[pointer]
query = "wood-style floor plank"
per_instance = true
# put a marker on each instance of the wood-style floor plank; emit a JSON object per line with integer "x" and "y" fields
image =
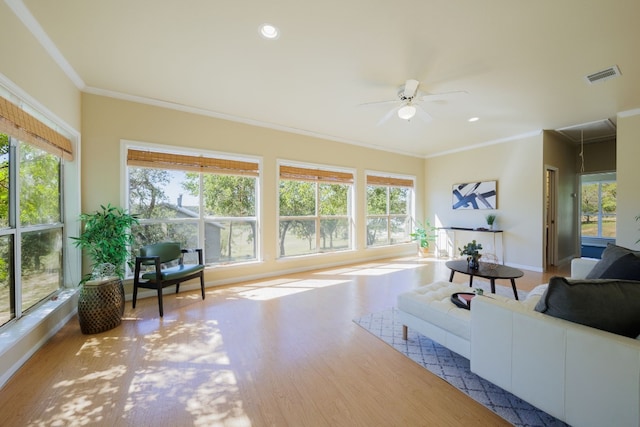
{"x": 275, "y": 352}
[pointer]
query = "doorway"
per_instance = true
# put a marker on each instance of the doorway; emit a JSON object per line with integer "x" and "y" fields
{"x": 551, "y": 217}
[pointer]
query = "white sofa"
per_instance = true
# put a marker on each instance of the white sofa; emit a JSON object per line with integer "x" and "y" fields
{"x": 581, "y": 375}
{"x": 429, "y": 311}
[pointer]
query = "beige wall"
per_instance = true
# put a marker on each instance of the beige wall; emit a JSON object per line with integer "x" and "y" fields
{"x": 628, "y": 176}
{"x": 27, "y": 65}
{"x": 600, "y": 156}
{"x": 518, "y": 167}
{"x": 562, "y": 156}
{"x": 107, "y": 121}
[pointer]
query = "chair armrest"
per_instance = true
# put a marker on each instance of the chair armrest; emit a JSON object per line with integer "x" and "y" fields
{"x": 193, "y": 250}
{"x": 143, "y": 259}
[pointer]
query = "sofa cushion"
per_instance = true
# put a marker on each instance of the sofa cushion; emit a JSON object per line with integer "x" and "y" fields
{"x": 625, "y": 268}
{"x": 609, "y": 305}
{"x": 432, "y": 303}
{"x": 534, "y": 296}
{"x": 610, "y": 255}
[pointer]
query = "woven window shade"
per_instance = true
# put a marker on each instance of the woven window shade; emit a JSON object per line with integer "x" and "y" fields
{"x": 317, "y": 175}
{"x": 390, "y": 181}
{"x": 19, "y": 124}
{"x": 152, "y": 159}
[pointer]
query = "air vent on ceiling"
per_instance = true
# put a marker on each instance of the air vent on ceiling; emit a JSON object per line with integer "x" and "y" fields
{"x": 604, "y": 75}
{"x": 600, "y": 130}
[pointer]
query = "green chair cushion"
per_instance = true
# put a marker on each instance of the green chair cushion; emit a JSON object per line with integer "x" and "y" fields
{"x": 176, "y": 272}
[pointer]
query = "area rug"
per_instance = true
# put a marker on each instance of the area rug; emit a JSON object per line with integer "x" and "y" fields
{"x": 454, "y": 369}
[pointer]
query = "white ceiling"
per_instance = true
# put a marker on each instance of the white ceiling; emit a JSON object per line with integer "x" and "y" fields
{"x": 522, "y": 62}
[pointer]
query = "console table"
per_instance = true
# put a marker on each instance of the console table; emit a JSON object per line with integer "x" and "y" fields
{"x": 451, "y": 238}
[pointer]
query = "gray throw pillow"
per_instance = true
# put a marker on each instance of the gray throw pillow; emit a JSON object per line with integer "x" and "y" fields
{"x": 610, "y": 255}
{"x": 609, "y": 305}
{"x": 625, "y": 268}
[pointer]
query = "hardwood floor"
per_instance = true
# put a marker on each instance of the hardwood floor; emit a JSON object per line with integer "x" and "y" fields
{"x": 275, "y": 352}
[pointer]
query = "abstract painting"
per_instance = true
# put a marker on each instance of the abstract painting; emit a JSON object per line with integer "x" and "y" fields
{"x": 475, "y": 195}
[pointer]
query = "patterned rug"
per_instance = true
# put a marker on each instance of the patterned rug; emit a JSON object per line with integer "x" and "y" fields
{"x": 454, "y": 369}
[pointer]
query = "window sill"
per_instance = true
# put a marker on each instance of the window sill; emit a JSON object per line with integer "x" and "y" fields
{"x": 20, "y": 339}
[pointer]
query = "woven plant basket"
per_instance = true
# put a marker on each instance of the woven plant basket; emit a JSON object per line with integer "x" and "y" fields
{"x": 101, "y": 305}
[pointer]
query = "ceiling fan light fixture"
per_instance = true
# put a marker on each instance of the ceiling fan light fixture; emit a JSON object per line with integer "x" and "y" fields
{"x": 407, "y": 112}
{"x": 269, "y": 31}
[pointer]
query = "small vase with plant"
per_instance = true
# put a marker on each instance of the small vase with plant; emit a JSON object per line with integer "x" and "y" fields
{"x": 471, "y": 251}
{"x": 491, "y": 218}
{"x": 423, "y": 234}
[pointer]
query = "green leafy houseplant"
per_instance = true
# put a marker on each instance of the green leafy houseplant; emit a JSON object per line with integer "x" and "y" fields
{"x": 423, "y": 234}
{"x": 471, "y": 251}
{"x": 106, "y": 237}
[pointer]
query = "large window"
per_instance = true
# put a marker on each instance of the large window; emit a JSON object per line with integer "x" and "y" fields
{"x": 598, "y": 206}
{"x": 198, "y": 201}
{"x": 31, "y": 225}
{"x": 389, "y": 207}
{"x": 315, "y": 210}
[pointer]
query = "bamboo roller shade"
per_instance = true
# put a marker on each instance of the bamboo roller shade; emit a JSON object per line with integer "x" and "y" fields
{"x": 152, "y": 159}
{"x": 306, "y": 174}
{"x": 387, "y": 180}
{"x": 18, "y": 123}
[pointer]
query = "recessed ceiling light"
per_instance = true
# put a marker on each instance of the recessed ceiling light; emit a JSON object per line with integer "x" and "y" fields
{"x": 268, "y": 31}
{"x": 474, "y": 119}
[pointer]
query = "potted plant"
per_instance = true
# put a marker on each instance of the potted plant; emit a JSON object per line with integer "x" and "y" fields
{"x": 491, "y": 218}
{"x": 106, "y": 237}
{"x": 423, "y": 234}
{"x": 471, "y": 250}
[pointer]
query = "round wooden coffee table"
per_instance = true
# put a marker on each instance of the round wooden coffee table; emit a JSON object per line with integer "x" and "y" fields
{"x": 486, "y": 271}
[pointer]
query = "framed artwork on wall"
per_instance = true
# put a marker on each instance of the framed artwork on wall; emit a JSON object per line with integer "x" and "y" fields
{"x": 475, "y": 195}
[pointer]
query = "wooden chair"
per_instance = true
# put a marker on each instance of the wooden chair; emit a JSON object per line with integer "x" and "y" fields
{"x": 157, "y": 255}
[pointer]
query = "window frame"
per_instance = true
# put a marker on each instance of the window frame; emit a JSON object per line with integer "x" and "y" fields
{"x": 49, "y": 134}
{"x": 388, "y": 180}
{"x": 202, "y": 219}
{"x": 599, "y": 179}
{"x": 317, "y": 174}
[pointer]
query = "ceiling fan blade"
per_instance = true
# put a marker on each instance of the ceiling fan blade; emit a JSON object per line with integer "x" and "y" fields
{"x": 423, "y": 115}
{"x": 395, "y": 101}
{"x": 389, "y": 114}
{"x": 410, "y": 88}
{"x": 442, "y": 95}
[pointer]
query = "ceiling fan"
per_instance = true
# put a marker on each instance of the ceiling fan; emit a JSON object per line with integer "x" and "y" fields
{"x": 409, "y": 102}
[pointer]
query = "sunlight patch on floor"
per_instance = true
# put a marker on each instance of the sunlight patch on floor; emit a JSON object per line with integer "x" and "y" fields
{"x": 289, "y": 288}
{"x": 383, "y": 269}
{"x": 373, "y": 269}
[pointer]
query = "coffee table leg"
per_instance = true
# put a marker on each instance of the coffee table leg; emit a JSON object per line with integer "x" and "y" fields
{"x": 451, "y": 277}
{"x": 515, "y": 291}
{"x": 493, "y": 285}
{"x": 470, "y": 280}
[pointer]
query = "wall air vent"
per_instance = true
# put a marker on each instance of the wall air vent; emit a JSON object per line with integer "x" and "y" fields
{"x": 604, "y": 75}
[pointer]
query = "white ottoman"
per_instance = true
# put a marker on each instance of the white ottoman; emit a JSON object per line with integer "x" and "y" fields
{"x": 429, "y": 310}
